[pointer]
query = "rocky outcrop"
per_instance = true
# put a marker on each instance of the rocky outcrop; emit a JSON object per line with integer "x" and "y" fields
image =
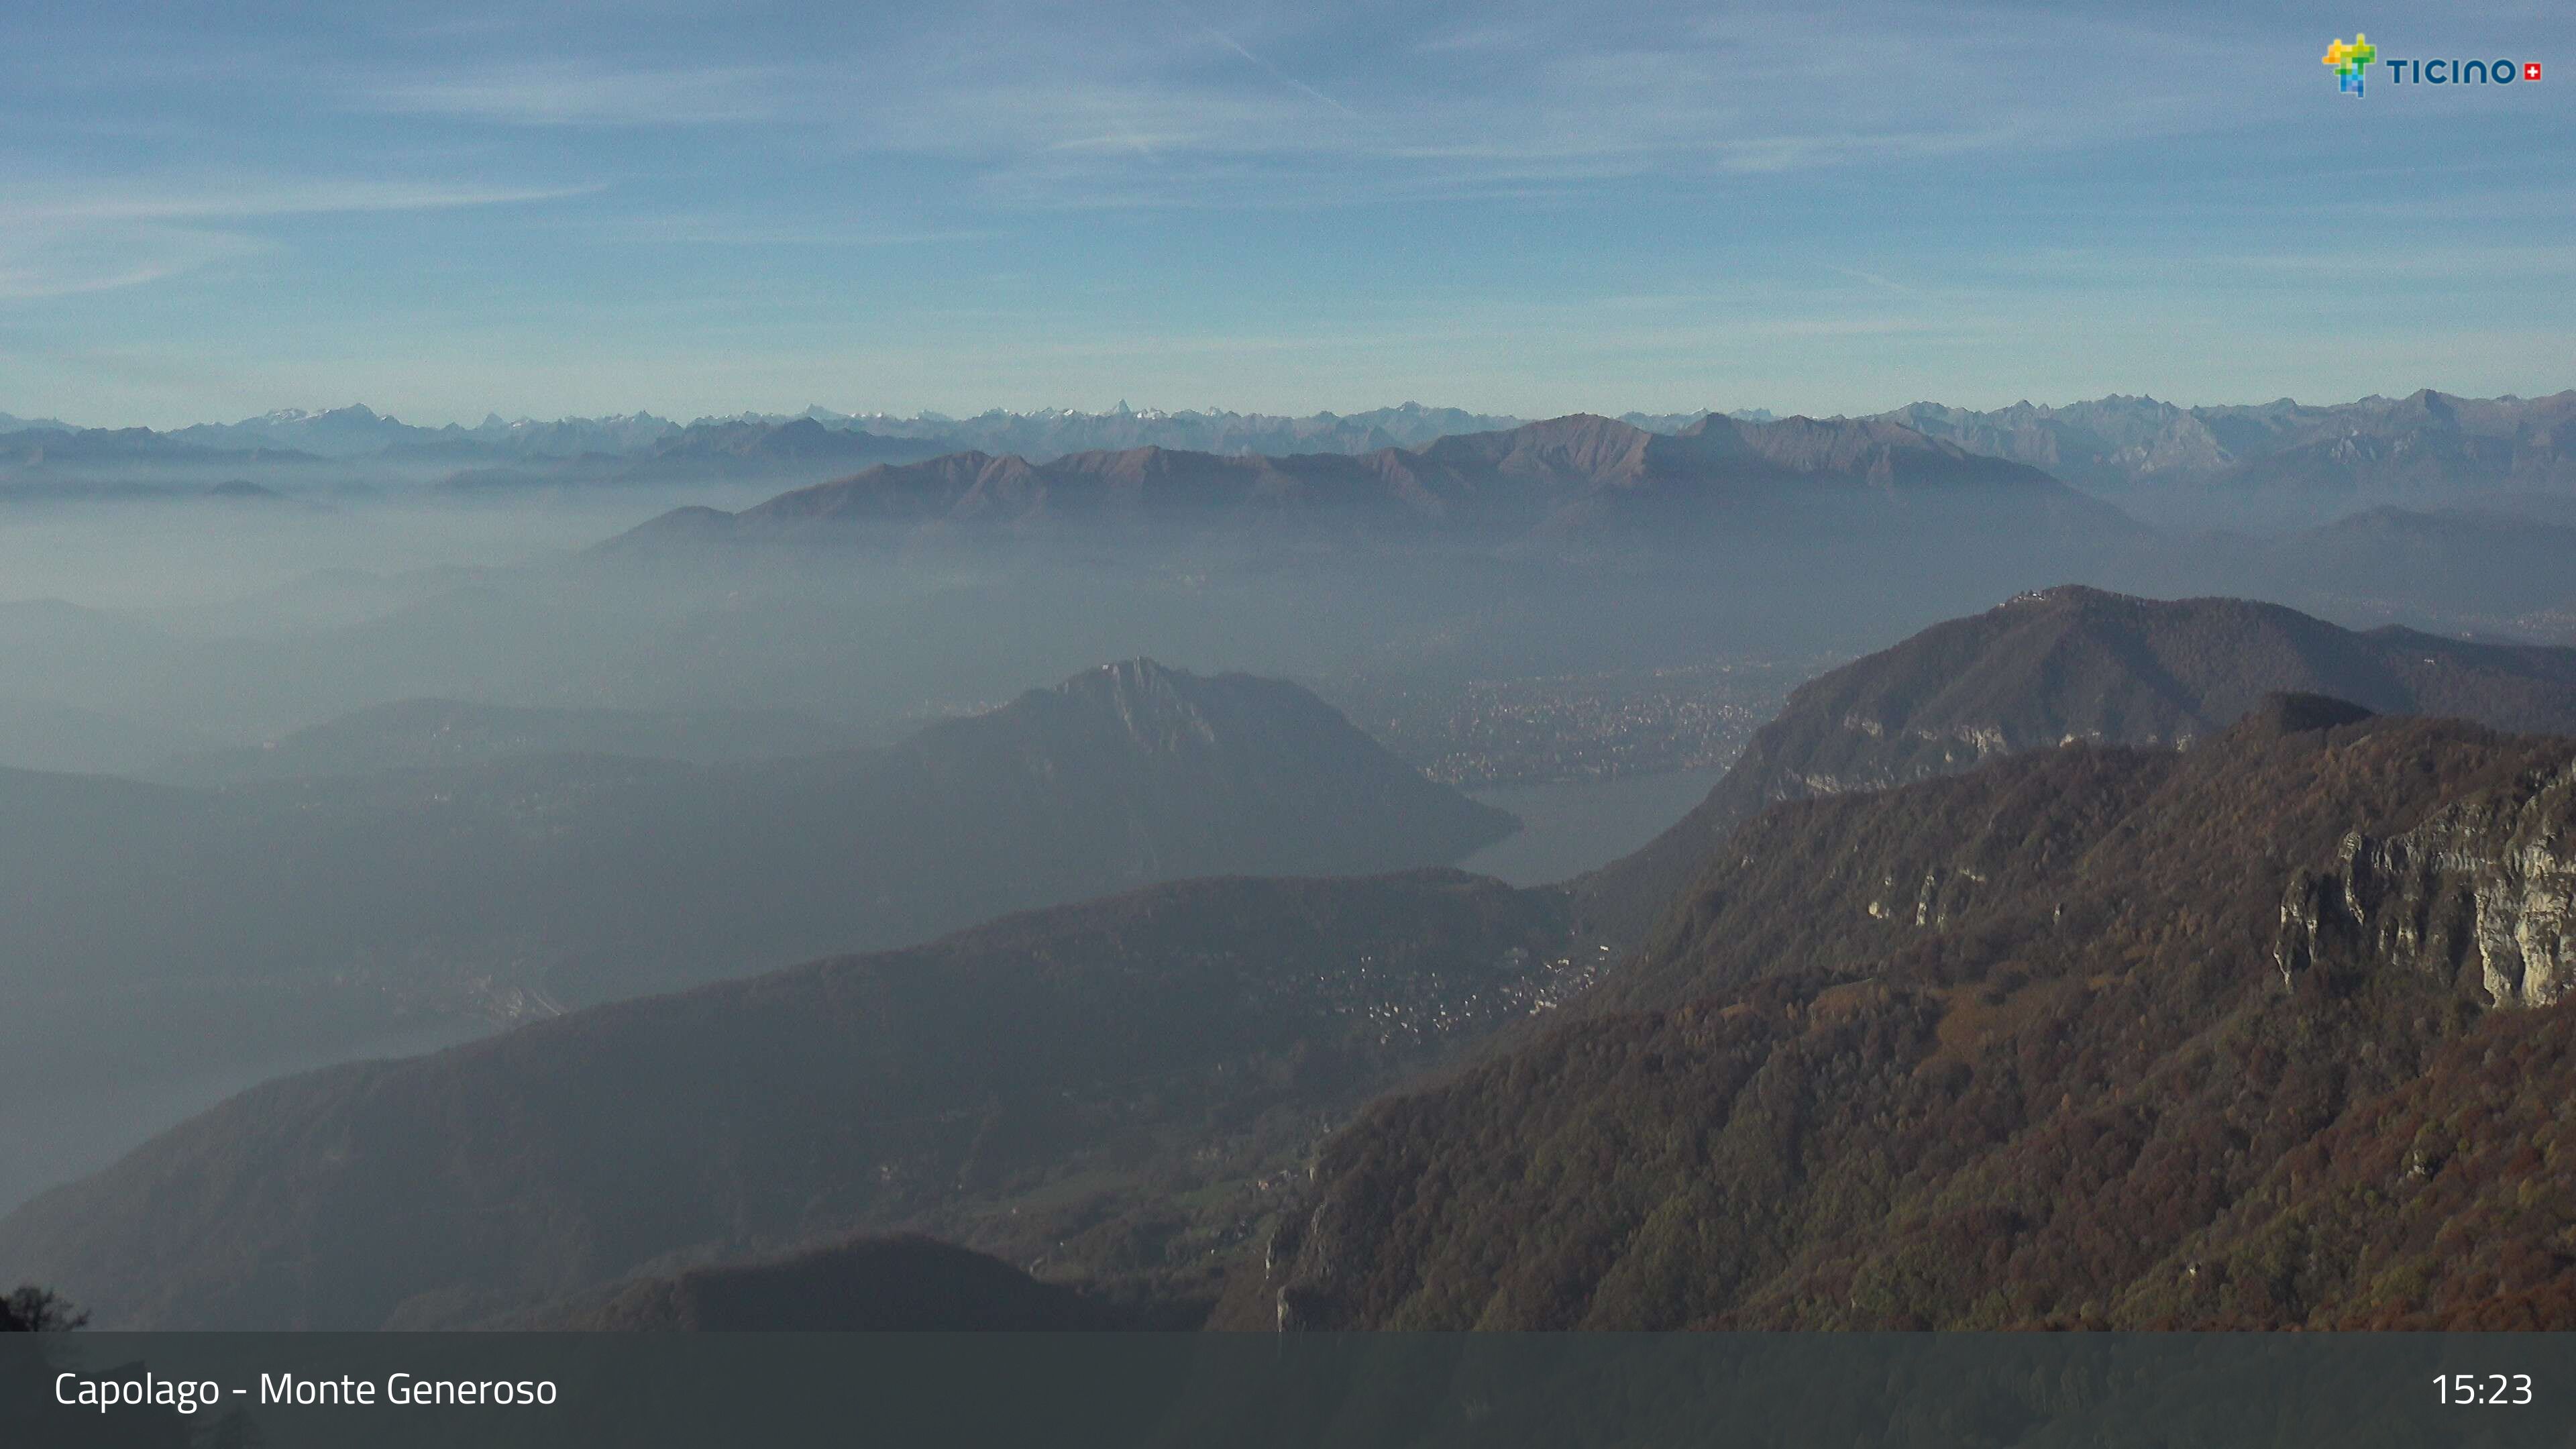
{"x": 2486, "y": 885}
{"x": 2074, "y": 1094}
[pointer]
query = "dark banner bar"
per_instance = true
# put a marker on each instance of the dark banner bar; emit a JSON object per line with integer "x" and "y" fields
{"x": 350, "y": 1391}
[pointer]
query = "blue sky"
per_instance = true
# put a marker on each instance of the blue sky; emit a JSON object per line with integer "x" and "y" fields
{"x": 211, "y": 210}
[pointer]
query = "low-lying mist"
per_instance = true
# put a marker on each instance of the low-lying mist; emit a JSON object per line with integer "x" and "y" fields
{"x": 398, "y": 768}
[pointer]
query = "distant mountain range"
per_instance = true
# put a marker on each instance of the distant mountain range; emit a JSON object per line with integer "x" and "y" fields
{"x": 1055, "y": 432}
{"x": 2063, "y": 666}
{"x": 2264, "y": 1034}
{"x": 35, "y": 459}
{"x": 174, "y": 933}
{"x": 701, "y": 452}
{"x": 358, "y": 431}
{"x": 2424, "y": 445}
{"x": 1049, "y": 1084}
{"x": 1568, "y": 477}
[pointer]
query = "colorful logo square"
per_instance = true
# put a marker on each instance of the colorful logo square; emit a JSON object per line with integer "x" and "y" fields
{"x": 2351, "y": 63}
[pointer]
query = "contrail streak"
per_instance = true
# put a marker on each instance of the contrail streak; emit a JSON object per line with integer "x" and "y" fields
{"x": 1283, "y": 77}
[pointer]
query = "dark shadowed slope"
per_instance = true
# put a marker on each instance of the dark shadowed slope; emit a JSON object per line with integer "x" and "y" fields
{"x": 905, "y": 1284}
{"x": 1060, "y": 1082}
{"x": 2063, "y": 665}
{"x": 2269, "y": 1033}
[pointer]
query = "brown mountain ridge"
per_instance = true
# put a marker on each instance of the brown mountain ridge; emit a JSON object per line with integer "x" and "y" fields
{"x": 1543, "y": 479}
{"x": 2068, "y": 664}
{"x": 2264, "y": 1034}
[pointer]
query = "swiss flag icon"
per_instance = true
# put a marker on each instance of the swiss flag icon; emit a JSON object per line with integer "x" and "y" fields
{"x": 2531, "y": 70}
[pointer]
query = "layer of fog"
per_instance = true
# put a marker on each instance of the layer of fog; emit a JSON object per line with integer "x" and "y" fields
{"x": 134, "y": 634}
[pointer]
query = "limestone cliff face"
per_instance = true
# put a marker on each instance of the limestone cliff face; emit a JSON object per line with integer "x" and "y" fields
{"x": 2484, "y": 885}
{"x": 1299, "y": 1265}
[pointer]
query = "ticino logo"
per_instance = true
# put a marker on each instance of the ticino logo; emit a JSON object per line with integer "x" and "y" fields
{"x": 2351, "y": 64}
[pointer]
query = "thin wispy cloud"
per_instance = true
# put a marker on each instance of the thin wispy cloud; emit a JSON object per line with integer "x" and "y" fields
{"x": 714, "y": 230}
{"x": 583, "y": 93}
{"x": 20, "y": 283}
{"x": 38, "y": 263}
{"x": 1536, "y": 98}
{"x": 182, "y": 200}
{"x": 64, "y": 240}
{"x": 1883, "y": 283}
{"x": 2412, "y": 262}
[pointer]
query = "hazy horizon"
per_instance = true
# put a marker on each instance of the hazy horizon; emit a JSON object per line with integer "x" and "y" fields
{"x": 862, "y": 410}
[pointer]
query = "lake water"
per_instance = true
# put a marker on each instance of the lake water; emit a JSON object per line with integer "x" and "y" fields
{"x": 1577, "y": 825}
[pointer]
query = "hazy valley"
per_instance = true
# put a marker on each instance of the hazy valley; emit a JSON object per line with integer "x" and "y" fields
{"x": 750, "y": 812}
